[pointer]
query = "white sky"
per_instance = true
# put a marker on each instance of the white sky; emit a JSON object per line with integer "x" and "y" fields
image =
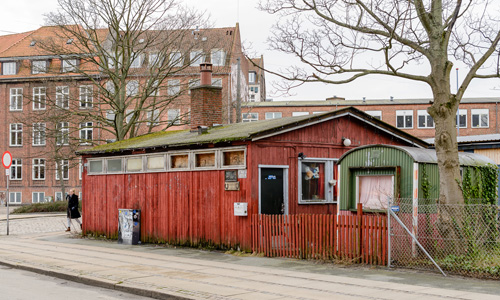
{"x": 25, "y": 15}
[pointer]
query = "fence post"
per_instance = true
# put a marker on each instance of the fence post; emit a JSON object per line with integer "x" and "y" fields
{"x": 360, "y": 230}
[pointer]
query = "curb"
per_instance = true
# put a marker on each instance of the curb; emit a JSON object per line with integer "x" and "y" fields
{"x": 97, "y": 283}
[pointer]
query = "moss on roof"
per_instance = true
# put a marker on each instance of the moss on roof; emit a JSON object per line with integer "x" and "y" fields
{"x": 233, "y": 132}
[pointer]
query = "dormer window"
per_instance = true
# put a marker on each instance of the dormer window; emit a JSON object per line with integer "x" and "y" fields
{"x": 39, "y": 66}
{"x": 69, "y": 65}
{"x": 9, "y": 68}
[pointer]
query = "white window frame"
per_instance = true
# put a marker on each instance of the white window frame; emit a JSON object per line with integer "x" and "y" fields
{"x": 39, "y": 134}
{"x": 273, "y": 115}
{"x": 110, "y": 115}
{"x": 196, "y": 57}
{"x": 137, "y": 60}
{"x": 86, "y": 96}
{"x": 17, "y": 165}
{"x": 425, "y": 114}
{"x": 218, "y": 57}
{"x": 16, "y": 134}
{"x": 328, "y": 174}
{"x": 377, "y": 114}
{"x": 404, "y": 114}
{"x": 16, "y": 99}
{"x": 69, "y": 65}
{"x": 383, "y": 203}
{"x": 249, "y": 117}
{"x": 59, "y": 195}
{"x": 177, "y": 153}
{"x": 217, "y": 82}
{"x": 65, "y": 170}
{"x": 252, "y": 77}
{"x": 462, "y": 113}
{"x": 37, "y": 196}
{"x": 39, "y": 98}
{"x": 39, "y": 66}
{"x": 300, "y": 113}
{"x": 480, "y": 113}
{"x": 18, "y": 196}
{"x": 216, "y": 161}
{"x": 128, "y": 115}
{"x": 62, "y": 137}
{"x": 163, "y": 157}
{"x": 86, "y": 130}
{"x": 173, "y": 87}
{"x": 9, "y": 68}
{"x": 62, "y": 97}
{"x": 153, "y": 117}
{"x": 132, "y": 88}
{"x": 174, "y": 120}
{"x": 176, "y": 59}
{"x": 38, "y": 169}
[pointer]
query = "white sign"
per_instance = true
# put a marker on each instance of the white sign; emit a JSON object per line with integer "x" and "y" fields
{"x": 240, "y": 209}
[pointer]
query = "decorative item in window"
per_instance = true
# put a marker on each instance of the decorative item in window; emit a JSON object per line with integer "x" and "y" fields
{"x": 313, "y": 181}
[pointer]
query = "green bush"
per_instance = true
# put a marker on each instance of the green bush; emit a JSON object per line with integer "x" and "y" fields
{"x": 58, "y": 206}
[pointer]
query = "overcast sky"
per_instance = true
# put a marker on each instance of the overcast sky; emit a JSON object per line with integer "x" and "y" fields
{"x": 25, "y": 15}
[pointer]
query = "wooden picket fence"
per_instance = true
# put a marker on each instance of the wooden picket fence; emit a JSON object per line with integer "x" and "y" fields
{"x": 354, "y": 238}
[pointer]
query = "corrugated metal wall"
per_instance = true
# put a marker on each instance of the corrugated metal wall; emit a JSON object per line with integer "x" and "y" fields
{"x": 359, "y": 163}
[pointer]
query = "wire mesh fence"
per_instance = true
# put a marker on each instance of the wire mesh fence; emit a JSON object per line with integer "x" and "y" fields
{"x": 460, "y": 239}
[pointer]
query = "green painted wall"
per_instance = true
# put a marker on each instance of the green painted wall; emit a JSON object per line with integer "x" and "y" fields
{"x": 374, "y": 160}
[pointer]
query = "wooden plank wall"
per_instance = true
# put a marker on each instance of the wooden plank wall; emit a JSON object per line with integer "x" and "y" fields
{"x": 189, "y": 208}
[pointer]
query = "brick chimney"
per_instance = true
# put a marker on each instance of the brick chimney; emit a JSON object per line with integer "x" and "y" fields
{"x": 206, "y": 101}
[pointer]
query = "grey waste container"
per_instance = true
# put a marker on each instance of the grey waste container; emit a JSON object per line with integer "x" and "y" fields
{"x": 129, "y": 226}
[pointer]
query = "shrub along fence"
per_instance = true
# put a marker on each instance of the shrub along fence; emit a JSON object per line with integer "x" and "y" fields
{"x": 356, "y": 238}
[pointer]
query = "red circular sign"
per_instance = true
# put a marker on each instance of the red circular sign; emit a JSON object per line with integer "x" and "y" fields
{"x": 6, "y": 159}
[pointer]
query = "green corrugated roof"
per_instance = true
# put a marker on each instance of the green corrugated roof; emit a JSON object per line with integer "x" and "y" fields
{"x": 233, "y": 132}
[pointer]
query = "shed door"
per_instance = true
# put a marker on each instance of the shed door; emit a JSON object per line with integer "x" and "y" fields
{"x": 272, "y": 191}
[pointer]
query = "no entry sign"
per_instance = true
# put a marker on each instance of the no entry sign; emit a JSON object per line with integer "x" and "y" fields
{"x": 6, "y": 159}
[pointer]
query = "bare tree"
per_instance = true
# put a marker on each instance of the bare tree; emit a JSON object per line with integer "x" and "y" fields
{"x": 125, "y": 50}
{"x": 336, "y": 39}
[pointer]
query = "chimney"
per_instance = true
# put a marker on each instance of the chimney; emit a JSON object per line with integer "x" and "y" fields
{"x": 206, "y": 101}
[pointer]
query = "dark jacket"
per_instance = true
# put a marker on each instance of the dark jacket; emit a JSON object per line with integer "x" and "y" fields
{"x": 73, "y": 212}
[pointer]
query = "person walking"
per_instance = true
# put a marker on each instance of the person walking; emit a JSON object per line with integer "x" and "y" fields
{"x": 73, "y": 212}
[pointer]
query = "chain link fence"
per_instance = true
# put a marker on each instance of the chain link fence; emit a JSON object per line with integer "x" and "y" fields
{"x": 459, "y": 239}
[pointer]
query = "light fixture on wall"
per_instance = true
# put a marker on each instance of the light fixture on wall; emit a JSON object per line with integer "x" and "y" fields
{"x": 346, "y": 142}
{"x": 302, "y": 155}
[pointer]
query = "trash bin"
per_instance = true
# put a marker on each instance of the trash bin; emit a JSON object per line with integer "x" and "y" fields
{"x": 129, "y": 226}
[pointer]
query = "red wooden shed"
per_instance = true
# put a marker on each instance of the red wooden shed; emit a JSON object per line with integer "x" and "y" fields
{"x": 202, "y": 187}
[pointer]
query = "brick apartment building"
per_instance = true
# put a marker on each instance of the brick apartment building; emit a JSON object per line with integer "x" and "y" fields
{"x": 479, "y": 129}
{"x": 30, "y": 76}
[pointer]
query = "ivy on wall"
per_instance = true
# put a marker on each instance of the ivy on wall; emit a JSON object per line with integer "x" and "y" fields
{"x": 483, "y": 188}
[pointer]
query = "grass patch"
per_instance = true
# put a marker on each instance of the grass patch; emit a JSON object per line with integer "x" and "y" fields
{"x": 58, "y": 206}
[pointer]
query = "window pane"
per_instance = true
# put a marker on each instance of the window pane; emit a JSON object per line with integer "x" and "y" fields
{"x": 484, "y": 120}
{"x": 430, "y": 121}
{"x": 205, "y": 160}
{"x": 475, "y": 121}
{"x": 421, "y": 121}
{"x": 134, "y": 164}
{"x": 400, "y": 121}
{"x": 234, "y": 158}
{"x": 313, "y": 181}
{"x": 179, "y": 161}
{"x": 408, "y": 122}
{"x": 114, "y": 165}
{"x": 156, "y": 162}
{"x": 95, "y": 166}
{"x": 374, "y": 191}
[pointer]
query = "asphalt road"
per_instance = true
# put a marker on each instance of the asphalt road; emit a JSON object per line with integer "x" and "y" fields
{"x": 23, "y": 285}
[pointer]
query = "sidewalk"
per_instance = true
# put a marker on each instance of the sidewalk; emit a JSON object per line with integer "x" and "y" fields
{"x": 170, "y": 273}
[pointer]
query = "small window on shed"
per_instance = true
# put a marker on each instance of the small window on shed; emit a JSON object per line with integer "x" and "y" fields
{"x": 179, "y": 161}
{"x": 156, "y": 162}
{"x": 204, "y": 160}
{"x": 114, "y": 165}
{"x": 95, "y": 166}
{"x": 233, "y": 158}
{"x": 134, "y": 164}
